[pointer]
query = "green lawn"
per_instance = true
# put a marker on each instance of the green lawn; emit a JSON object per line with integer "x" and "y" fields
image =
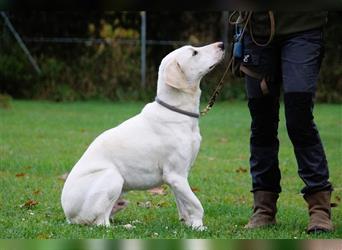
{"x": 39, "y": 141}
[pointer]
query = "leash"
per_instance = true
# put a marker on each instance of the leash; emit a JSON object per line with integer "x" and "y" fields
{"x": 246, "y": 20}
{"x": 219, "y": 86}
{"x": 272, "y": 31}
{"x": 217, "y": 90}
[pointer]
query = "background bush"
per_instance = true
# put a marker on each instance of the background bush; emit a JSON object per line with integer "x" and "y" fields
{"x": 112, "y": 70}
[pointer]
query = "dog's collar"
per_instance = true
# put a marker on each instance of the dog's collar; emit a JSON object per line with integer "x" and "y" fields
{"x": 173, "y": 108}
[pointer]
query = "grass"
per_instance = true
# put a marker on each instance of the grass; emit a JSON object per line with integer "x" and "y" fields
{"x": 41, "y": 140}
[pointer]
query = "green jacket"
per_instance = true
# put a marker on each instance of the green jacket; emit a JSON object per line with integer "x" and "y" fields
{"x": 287, "y": 22}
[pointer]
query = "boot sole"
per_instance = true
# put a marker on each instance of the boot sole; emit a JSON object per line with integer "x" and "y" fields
{"x": 259, "y": 226}
{"x": 318, "y": 230}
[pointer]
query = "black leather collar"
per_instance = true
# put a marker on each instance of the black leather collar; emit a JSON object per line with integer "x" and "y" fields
{"x": 183, "y": 112}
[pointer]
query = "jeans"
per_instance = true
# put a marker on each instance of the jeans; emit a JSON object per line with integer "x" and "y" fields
{"x": 291, "y": 62}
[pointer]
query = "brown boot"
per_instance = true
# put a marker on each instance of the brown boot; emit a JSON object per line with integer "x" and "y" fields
{"x": 265, "y": 209}
{"x": 320, "y": 212}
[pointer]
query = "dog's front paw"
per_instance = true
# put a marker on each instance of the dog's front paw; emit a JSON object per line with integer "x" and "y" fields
{"x": 198, "y": 226}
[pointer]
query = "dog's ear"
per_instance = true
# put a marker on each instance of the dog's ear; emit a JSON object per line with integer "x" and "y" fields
{"x": 174, "y": 76}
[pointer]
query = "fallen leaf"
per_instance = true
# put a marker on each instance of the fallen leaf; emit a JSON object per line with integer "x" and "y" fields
{"x": 28, "y": 167}
{"x": 157, "y": 191}
{"x": 64, "y": 176}
{"x": 36, "y": 192}
{"x": 194, "y": 189}
{"x": 223, "y": 140}
{"x": 29, "y": 204}
{"x": 241, "y": 170}
{"x": 42, "y": 236}
{"x": 20, "y": 175}
{"x": 338, "y": 198}
{"x": 162, "y": 204}
{"x": 146, "y": 204}
{"x": 241, "y": 200}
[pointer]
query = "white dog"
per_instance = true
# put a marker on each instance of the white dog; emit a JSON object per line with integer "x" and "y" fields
{"x": 157, "y": 146}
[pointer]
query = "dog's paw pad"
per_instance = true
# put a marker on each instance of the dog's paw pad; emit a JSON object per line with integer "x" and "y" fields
{"x": 119, "y": 205}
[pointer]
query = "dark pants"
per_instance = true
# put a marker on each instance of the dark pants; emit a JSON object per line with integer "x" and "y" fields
{"x": 292, "y": 61}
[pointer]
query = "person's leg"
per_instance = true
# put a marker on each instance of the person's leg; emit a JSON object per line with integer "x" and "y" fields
{"x": 301, "y": 58}
{"x": 264, "y": 144}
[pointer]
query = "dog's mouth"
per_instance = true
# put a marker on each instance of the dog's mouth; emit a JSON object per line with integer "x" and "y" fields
{"x": 212, "y": 66}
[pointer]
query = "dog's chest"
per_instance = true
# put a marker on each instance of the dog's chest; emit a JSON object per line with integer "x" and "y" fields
{"x": 195, "y": 142}
{"x": 195, "y": 137}
{"x": 187, "y": 143}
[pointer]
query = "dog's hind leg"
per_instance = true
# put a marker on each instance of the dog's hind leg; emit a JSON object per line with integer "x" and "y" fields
{"x": 105, "y": 192}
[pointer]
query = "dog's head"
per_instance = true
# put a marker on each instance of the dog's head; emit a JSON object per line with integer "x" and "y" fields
{"x": 183, "y": 68}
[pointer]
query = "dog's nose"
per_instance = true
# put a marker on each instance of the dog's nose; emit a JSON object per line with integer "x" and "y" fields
{"x": 221, "y": 45}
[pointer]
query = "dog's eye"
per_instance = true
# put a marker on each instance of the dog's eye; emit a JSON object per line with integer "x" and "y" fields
{"x": 195, "y": 52}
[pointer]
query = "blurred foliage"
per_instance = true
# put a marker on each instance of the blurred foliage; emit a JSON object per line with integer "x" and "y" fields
{"x": 330, "y": 83}
{"x": 111, "y": 70}
{"x": 5, "y": 101}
